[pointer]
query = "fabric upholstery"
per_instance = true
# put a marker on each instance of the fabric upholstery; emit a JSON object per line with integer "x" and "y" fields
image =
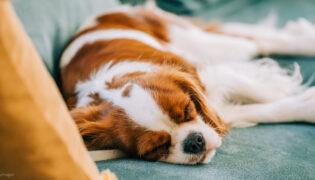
{"x": 52, "y": 23}
{"x": 38, "y": 138}
{"x": 280, "y": 151}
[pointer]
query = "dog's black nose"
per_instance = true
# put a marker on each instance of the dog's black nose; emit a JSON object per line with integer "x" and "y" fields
{"x": 194, "y": 143}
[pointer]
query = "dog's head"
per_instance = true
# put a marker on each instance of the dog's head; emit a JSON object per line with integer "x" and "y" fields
{"x": 161, "y": 116}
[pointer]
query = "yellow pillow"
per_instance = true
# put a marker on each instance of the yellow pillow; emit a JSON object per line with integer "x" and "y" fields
{"x": 38, "y": 138}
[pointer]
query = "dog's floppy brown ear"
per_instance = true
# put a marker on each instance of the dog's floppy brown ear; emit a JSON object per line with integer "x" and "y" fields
{"x": 104, "y": 126}
{"x": 95, "y": 123}
{"x": 209, "y": 115}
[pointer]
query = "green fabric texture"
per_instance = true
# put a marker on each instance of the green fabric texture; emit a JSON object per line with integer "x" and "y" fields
{"x": 51, "y": 24}
{"x": 283, "y": 151}
{"x": 278, "y": 151}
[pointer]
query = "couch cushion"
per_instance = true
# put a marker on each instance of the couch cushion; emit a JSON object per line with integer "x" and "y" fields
{"x": 52, "y": 23}
{"x": 281, "y": 151}
{"x": 38, "y": 138}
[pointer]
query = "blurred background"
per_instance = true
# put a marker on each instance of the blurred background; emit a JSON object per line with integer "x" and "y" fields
{"x": 249, "y": 11}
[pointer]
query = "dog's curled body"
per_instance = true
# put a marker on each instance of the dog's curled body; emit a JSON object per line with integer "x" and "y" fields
{"x": 159, "y": 87}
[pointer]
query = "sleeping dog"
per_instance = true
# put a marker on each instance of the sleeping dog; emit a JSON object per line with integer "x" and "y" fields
{"x": 161, "y": 87}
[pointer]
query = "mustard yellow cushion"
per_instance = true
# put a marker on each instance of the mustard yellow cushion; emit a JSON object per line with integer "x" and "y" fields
{"x": 38, "y": 138}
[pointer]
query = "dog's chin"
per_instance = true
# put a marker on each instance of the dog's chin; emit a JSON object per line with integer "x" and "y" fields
{"x": 203, "y": 158}
{"x": 189, "y": 159}
{"x": 208, "y": 156}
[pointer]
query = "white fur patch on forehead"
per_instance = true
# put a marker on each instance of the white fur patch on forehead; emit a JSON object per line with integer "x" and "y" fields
{"x": 140, "y": 107}
{"x": 96, "y": 83}
{"x": 73, "y": 48}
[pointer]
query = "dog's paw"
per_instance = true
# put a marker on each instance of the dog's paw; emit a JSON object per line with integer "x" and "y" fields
{"x": 306, "y": 105}
{"x": 302, "y": 33}
{"x": 308, "y": 94}
{"x": 242, "y": 124}
{"x": 301, "y": 26}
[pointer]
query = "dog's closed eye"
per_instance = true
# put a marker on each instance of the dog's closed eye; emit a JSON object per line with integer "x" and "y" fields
{"x": 189, "y": 112}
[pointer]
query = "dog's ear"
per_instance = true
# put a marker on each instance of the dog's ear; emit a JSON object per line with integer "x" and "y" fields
{"x": 104, "y": 126}
{"x": 152, "y": 145}
{"x": 96, "y": 124}
{"x": 197, "y": 96}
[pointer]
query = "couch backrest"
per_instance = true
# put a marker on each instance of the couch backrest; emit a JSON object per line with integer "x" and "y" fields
{"x": 52, "y": 23}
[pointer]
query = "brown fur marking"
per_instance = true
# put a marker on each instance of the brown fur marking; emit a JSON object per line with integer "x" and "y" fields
{"x": 104, "y": 126}
{"x": 145, "y": 22}
{"x": 94, "y": 55}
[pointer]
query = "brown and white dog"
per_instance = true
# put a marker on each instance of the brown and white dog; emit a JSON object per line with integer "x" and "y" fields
{"x": 164, "y": 88}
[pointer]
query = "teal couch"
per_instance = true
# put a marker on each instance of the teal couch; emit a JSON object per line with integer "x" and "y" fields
{"x": 278, "y": 151}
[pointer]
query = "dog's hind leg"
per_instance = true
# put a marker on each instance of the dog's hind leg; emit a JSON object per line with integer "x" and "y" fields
{"x": 252, "y": 82}
{"x": 291, "y": 109}
{"x": 202, "y": 48}
{"x": 295, "y": 38}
